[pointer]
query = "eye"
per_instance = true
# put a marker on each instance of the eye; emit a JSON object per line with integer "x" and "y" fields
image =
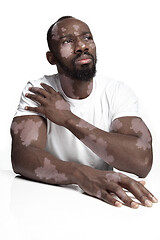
{"x": 88, "y": 38}
{"x": 67, "y": 41}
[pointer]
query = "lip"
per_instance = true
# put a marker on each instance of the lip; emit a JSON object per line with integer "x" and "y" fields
{"x": 84, "y": 59}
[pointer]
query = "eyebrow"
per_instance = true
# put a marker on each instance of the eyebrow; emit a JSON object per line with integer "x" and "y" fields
{"x": 70, "y": 35}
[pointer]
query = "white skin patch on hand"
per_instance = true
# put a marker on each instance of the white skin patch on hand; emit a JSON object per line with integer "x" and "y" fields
{"x": 62, "y": 105}
{"x": 49, "y": 171}
{"x": 29, "y": 131}
{"x": 116, "y": 125}
{"x": 99, "y": 147}
{"x": 113, "y": 177}
{"x": 98, "y": 194}
{"x": 144, "y": 141}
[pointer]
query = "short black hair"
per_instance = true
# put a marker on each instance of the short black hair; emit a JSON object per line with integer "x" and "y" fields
{"x": 49, "y": 33}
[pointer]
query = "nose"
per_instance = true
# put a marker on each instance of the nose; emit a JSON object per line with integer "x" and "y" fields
{"x": 80, "y": 46}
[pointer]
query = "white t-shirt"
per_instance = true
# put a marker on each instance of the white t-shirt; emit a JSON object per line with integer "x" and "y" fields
{"x": 108, "y": 100}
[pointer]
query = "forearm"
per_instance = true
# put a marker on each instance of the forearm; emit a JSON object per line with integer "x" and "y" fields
{"x": 118, "y": 150}
{"x": 39, "y": 165}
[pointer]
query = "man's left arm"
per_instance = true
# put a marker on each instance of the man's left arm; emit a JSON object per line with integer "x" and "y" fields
{"x": 127, "y": 147}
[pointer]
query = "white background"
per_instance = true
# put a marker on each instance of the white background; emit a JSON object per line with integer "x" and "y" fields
{"x": 127, "y": 35}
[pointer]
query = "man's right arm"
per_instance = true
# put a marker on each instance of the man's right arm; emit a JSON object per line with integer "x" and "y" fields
{"x": 29, "y": 157}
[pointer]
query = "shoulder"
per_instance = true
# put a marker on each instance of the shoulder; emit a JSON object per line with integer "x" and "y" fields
{"x": 111, "y": 87}
{"x": 50, "y": 80}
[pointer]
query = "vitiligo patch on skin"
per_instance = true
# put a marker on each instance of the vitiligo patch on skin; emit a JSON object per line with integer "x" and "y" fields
{"x": 144, "y": 141}
{"x": 49, "y": 171}
{"x": 81, "y": 44}
{"x": 76, "y": 33}
{"x": 66, "y": 50}
{"x": 76, "y": 27}
{"x": 63, "y": 29}
{"x": 99, "y": 147}
{"x": 116, "y": 125}
{"x": 98, "y": 194}
{"x": 69, "y": 87}
{"x": 92, "y": 45}
{"x": 28, "y": 129}
{"x": 60, "y": 105}
{"x": 113, "y": 177}
{"x": 83, "y": 124}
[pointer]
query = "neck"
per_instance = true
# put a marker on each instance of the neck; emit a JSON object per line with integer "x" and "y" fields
{"x": 74, "y": 88}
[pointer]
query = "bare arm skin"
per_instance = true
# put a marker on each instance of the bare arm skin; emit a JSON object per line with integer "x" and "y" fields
{"x": 128, "y": 147}
{"x": 30, "y": 159}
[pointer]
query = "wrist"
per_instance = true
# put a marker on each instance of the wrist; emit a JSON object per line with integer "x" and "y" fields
{"x": 80, "y": 173}
{"x": 69, "y": 116}
{"x": 76, "y": 172}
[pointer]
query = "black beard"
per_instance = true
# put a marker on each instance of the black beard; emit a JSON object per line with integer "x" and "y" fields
{"x": 85, "y": 74}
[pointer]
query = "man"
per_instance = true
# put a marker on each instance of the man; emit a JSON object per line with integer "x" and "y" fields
{"x": 74, "y": 128}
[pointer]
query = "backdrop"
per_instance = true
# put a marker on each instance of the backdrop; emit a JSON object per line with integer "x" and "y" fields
{"x": 127, "y": 36}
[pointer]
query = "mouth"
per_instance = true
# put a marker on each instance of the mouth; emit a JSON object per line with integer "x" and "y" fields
{"x": 84, "y": 59}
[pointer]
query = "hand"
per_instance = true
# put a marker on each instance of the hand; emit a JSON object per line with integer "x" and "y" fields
{"x": 51, "y": 104}
{"x": 105, "y": 185}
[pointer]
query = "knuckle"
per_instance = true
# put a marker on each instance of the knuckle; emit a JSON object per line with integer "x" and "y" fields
{"x": 117, "y": 189}
{"x": 40, "y": 91}
{"x": 133, "y": 184}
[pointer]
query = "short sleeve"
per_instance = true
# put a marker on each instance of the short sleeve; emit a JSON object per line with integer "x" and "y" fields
{"x": 24, "y": 101}
{"x": 123, "y": 102}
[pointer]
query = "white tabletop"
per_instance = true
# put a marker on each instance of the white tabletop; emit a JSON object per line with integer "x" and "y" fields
{"x": 31, "y": 210}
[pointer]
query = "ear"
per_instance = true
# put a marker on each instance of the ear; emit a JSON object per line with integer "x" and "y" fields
{"x": 50, "y": 58}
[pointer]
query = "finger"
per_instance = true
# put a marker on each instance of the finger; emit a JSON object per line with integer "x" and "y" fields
{"x": 128, "y": 201}
{"x": 138, "y": 190}
{"x": 35, "y": 109}
{"x": 40, "y": 91}
{"x": 36, "y": 98}
{"x": 121, "y": 194}
{"x": 142, "y": 182}
{"x": 106, "y": 197}
{"x": 48, "y": 88}
{"x": 149, "y": 195}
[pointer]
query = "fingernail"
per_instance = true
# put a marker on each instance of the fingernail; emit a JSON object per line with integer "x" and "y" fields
{"x": 134, "y": 205}
{"x": 148, "y": 203}
{"x": 118, "y": 204}
{"x": 155, "y": 200}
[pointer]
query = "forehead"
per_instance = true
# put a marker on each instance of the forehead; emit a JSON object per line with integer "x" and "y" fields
{"x": 69, "y": 26}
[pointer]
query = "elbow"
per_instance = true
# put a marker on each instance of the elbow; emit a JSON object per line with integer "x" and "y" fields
{"x": 15, "y": 162}
{"x": 145, "y": 165}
